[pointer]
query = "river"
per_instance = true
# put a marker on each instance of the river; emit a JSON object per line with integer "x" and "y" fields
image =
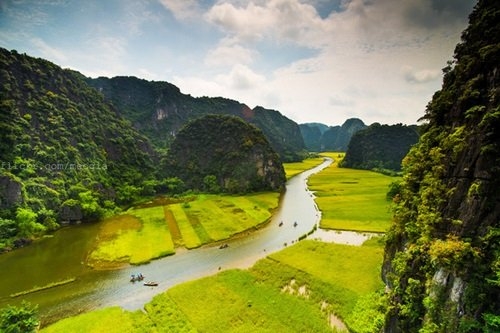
{"x": 62, "y": 256}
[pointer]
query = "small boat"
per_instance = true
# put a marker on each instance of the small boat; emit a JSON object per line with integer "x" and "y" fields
{"x": 135, "y": 278}
{"x": 151, "y": 284}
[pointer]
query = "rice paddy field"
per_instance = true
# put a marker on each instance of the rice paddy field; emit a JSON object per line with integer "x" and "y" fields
{"x": 289, "y": 291}
{"x": 157, "y": 229}
{"x": 292, "y": 169}
{"x": 351, "y": 199}
{"x": 311, "y": 286}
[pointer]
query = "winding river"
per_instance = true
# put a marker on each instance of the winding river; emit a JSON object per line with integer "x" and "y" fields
{"x": 62, "y": 256}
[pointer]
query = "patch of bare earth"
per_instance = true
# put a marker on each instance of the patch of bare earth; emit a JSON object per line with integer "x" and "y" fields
{"x": 335, "y": 322}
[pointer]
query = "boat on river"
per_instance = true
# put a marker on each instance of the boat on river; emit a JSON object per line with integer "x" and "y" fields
{"x": 151, "y": 284}
{"x": 135, "y": 278}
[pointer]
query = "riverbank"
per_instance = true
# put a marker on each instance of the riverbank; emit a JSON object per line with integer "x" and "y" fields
{"x": 286, "y": 292}
{"x": 351, "y": 199}
{"x": 293, "y": 279}
{"x": 64, "y": 255}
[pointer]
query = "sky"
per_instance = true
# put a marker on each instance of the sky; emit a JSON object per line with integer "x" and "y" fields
{"x": 312, "y": 60}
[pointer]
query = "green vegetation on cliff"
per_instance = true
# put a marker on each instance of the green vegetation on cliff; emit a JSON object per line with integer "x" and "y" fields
{"x": 217, "y": 153}
{"x": 159, "y": 110}
{"x": 380, "y": 147}
{"x": 442, "y": 258}
{"x": 65, "y": 153}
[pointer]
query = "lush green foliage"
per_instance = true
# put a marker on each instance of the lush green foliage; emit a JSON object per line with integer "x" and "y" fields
{"x": 159, "y": 110}
{"x": 19, "y": 319}
{"x": 380, "y": 147}
{"x": 442, "y": 254}
{"x": 224, "y": 152}
{"x": 65, "y": 154}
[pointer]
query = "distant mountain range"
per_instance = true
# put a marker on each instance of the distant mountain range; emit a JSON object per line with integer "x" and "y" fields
{"x": 74, "y": 148}
{"x": 320, "y": 137}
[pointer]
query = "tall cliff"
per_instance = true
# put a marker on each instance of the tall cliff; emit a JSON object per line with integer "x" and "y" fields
{"x": 442, "y": 259}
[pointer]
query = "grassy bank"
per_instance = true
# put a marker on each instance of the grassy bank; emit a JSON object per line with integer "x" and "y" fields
{"x": 155, "y": 230}
{"x": 351, "y": 199}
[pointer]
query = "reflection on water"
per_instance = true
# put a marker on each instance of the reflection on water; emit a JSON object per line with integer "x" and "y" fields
{"x": 341, "y": 237}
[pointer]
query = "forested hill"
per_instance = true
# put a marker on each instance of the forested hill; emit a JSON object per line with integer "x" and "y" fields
{"x": 222, "y": 153}
{"x": 320, "y": 137}
{"x": 70, "y": 152}
{"x": 380, "y": 147}
{"x": 66, "y": 154}
{"x": 159, "y": 109}
{"x": 442, "y": 258}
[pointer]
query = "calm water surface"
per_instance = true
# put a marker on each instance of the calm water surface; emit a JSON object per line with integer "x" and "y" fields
{"x": 62, "y": 256}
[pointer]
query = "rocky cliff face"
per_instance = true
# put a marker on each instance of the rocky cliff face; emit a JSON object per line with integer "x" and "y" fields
{"x": 10, "y": 192}
{"x": 442, "y": 260}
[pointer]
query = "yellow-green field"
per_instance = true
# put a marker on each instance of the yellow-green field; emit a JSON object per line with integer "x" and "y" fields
{"x": 143, "y": 234}
{"x": 351, "y": 199}
{"x": 299, "y": 289}
{"x": 290, "y": 291}
{"x": 292, "y": 169}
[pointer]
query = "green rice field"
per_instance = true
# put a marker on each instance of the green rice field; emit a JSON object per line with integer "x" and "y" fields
{"x": 311, "y": 286}
{"x": 156, "y": 230}
{"x": 351, "y": 199}
{"x": 292, "y": 169}
{"x": 290, "y": 291}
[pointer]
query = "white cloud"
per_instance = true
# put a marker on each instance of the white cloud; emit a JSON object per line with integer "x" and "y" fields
{"x": 229, "y": 53}
{"x": 377, "y": 60}
{"x": 241, "y": 78}
{"x": 49, "y": 52}
{"x": 278, "y": 20}
{"x": 182, "y": 9}
{"x": 421, "y": 76}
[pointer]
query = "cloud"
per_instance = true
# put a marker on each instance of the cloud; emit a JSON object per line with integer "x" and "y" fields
{"x": 49, "y": 52}
{"x": 182, "y": 9}
{"x": 436, "y": 13}
{"x": 241, "y": 78}
{"x": 229, "y": 53}
{"x": 421, "y": 76}
{"x": 277, "y": 20}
